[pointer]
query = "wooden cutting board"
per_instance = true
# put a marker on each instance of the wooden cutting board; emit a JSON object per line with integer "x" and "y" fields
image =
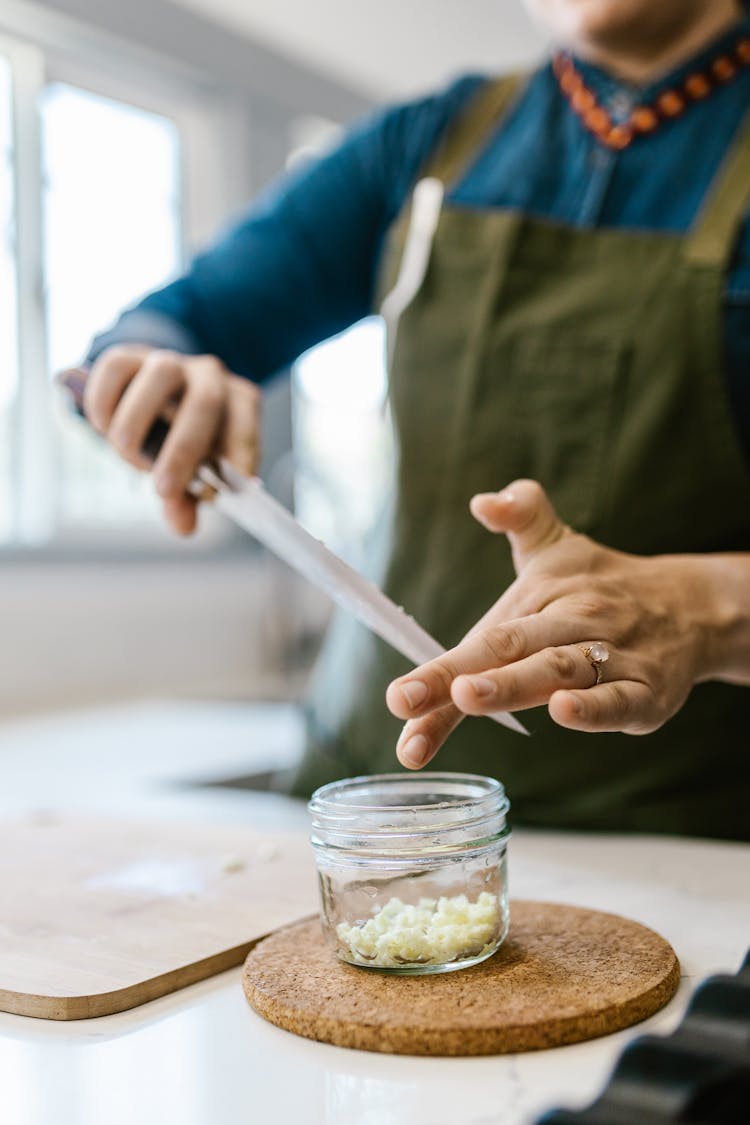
{"x": 563, "y": 975}
{"x": 100, "y": 916}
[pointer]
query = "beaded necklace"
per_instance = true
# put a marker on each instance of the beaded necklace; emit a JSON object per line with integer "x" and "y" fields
{"x": 645, "y": 119}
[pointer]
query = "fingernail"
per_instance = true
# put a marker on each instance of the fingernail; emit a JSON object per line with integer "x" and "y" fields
{"x": 481, "y": 686}
{"x": 165, "y": 484}
{"x": 415, "y": 692}
{"x": 414, "y": 752}
{"x": 507, "y": 497}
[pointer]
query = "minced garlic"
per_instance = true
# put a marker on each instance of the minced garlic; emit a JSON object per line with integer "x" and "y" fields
{"x": 435, "y": 932}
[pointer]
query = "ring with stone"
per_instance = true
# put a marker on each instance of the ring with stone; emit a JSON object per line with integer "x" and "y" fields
{"x": 597, "y": 655}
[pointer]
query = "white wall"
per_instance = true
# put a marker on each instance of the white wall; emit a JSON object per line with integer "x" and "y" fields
{"x": 386, "y": 48}
{"x": 77, "y": 633}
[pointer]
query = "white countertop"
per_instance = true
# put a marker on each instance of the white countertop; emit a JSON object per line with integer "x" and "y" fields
{"x": 203, "y": 1057}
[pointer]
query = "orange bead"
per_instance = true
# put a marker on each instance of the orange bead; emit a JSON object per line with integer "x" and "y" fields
{"x": 697, "y": 85}
{"x": 598, "y": 120}
{"x": 570, "y": 81}
{"x": 724, "y": 68}
{"x": 582, "y": 100}
{"x": 644, "y": 119}
{"x": 743, "y": 50}
{"x": 619, "y": 137}
{"x": 671, "y": 103}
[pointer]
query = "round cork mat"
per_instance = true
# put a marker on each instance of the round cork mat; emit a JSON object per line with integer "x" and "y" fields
{"x": 563, "y": 975}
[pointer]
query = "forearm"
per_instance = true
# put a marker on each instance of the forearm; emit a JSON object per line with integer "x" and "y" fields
{"x": 722, "y": 596}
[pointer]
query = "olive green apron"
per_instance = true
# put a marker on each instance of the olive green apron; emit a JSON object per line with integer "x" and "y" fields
{"x": 590, "y": 360}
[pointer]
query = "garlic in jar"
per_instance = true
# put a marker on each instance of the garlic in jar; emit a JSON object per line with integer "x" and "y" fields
{"x": 413, "y": 869}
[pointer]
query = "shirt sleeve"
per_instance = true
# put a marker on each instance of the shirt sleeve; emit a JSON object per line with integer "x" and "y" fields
{"x": 301, "y": 264}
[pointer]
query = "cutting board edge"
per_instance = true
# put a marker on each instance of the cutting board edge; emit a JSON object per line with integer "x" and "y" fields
{"x": 126, "y": 910}
{"x": 66, "y": 1008}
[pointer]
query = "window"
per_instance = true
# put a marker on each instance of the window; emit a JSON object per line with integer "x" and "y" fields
{"x": 343, "y": 445}
{"x": 91, "y": 217}
{"x": 111, "y": 207}
{"x": 342, "y": 437}
{"x": 8, "y": 311}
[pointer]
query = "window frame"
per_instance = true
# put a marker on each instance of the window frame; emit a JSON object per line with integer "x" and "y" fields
{"x": 47, "y": 49}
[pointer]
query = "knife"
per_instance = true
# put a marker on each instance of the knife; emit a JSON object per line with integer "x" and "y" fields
{"x": 245, "y": 501}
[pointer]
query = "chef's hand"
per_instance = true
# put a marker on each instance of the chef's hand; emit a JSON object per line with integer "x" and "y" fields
{"x": 655, "y": 616}
{"x": 212, "y": 413}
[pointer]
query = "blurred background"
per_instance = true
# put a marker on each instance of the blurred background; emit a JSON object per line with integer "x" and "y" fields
{"x": 130, "y": 132}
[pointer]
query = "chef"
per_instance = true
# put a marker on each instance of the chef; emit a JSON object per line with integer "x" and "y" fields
{"x": 569, "y": 257}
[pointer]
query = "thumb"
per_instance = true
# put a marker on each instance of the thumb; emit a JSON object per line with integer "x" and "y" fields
{"x": 524, "y": 513}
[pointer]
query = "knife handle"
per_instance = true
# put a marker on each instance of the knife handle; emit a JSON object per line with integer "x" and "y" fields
{"x": 74, "y": 380}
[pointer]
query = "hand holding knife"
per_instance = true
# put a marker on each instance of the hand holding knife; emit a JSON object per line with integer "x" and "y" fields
{"x": 245, "y": 501}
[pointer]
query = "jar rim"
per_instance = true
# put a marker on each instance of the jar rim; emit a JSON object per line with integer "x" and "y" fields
{"x": 478, "y": 790}
{"x": 409, "y": 814}
{"x": 418, "y": 803}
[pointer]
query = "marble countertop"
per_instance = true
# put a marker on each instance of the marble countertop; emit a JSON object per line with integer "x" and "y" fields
{"x": 203, "y": 1057}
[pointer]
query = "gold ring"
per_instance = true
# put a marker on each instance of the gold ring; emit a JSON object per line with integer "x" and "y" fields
{"x": 597, "y": 654}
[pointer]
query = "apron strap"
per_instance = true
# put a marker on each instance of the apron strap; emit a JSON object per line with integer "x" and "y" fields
{"x": 464, "y": 138}
{"x": 711, "y": 240}
{"x": 419, "y": 219}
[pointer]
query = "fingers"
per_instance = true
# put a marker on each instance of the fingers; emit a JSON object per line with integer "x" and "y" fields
{"x": 194, "y": 430}
{"x": 625, "y": 705}
{"x": 527, "y": 683}
{"x": 159, "y": 379}
{"x": 211, "y": 413}
{"x": 181, "y": 513}
{"x": 430, "y": 685}
{"x": 524, "y": 513}
{"x": 241, "y": 438}
{"x": 107, "y": 381}
{"x": 422, "y": 738}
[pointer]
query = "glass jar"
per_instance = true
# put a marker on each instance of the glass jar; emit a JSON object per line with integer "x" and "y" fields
{"x": 412, "y": 869}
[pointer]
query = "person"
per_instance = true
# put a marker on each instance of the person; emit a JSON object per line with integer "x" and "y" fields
{"x": 574, "y": 363}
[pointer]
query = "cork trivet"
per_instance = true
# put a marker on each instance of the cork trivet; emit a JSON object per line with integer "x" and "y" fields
{"x": 563, "y": 975}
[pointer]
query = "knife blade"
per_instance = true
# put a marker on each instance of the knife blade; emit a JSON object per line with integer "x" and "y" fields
{"x": 246, "y": 502}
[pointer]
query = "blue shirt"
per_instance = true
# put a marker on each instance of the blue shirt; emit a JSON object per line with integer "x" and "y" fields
{"x": 302, "y": 263}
